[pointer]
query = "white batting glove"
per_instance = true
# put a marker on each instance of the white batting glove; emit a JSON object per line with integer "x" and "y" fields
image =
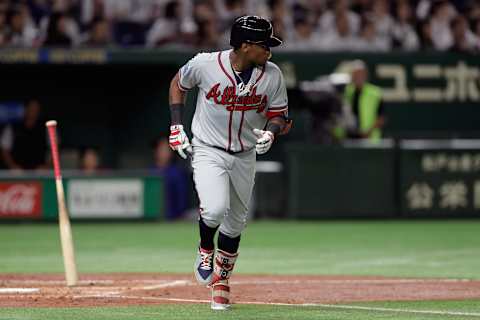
{"x": 264, "y": 141}
{"x": 178, "y": 140}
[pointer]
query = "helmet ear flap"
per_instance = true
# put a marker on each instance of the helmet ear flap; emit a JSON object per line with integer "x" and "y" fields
{"x": 235, "y": 36}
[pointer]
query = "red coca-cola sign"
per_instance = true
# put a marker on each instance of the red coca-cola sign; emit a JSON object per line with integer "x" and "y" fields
{"x": 20, "y": 199}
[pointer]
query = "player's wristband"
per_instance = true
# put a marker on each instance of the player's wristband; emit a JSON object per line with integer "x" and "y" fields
{"x": 274, "y": 128}
{"x": 176, "y": 113}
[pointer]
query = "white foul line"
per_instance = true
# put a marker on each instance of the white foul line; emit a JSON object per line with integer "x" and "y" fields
{"x": 352, "y": 281}
{"x": 318, "y": 305}
{"x": 433, "y": 312}
{"x": 334, "y": 306}
{"x": 18, "y": 290}
{"x": 175, "y": 283}
{"x": 81, "y": 282}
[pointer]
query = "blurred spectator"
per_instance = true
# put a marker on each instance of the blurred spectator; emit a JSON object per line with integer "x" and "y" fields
{"x": 3, "y": 27}
{"x": 425, "y": 32}
{"x": 316, "y": 8}
{"x": 39, "y": 9}
{"x": 281, "y": 18}
{"x": 426, "y": 37}
{"x": 176, "y": 183}
{"x": 304, "y": 37}
{"x": 72, "y": 19}
{"x": 473, "y": 10}
{"x": 340, "y": 39}
{"x": 208, "y": 35}
{"x": 476, "y": 33}
{"x": 167, "y": 29}
{"x": 89, "y": 161}
{"x": 463, "y": 38}
{"x": 135, "y": 11}
{"x": 423, "y": 9}
{"x": 383, "y": 21}
{"x": 364, "y": 102}
{"x": 132, "y": 19}
{"x": 369, "y": 39}
{"x": 57, "y": 35}
{"x": 24, "y": 144}
{"x": 227, "y": 11}
{"x": 360, "y": 6}
{"x": 71, "y": 10}
{"x": 99, "y": 34}
{"x": 22, "y": 32}
{"x": 328, "y": 22}
{"x": 404, "y": 35}
{"x": 443, "y": 13}
{"x": 92, "y": 10}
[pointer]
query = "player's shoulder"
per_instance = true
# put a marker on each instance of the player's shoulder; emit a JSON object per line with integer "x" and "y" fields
{"x": 204, "y": 57}
{"x": 272, "y": 69}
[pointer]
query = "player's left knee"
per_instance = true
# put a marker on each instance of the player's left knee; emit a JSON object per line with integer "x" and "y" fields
{"x": 214, "y": 213}
{"x": 211, "y": 222}
{"x": 232, "y": 231}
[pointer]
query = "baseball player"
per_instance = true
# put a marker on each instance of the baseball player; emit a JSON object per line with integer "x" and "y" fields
{"x": 242, "y": 107}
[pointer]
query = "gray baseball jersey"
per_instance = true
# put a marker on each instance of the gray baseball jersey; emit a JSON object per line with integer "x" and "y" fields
{"x": 227, "y": 112}
{"x": 225, "y": 116}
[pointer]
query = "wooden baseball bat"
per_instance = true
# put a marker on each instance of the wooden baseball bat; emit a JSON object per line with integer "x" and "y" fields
{"x": 63, "y": 219}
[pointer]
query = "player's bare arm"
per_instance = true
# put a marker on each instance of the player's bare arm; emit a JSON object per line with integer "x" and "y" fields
{"x": 176, "y": 100}
{"x": 277, "y": 125}
{"x": 178, "y": 138}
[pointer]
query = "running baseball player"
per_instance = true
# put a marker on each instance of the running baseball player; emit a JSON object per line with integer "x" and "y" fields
{"x": 242, "y": 107}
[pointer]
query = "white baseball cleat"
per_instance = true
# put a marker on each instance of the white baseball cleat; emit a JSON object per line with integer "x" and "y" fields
{"x": 203, "y": 267}
{"x": 219, "y": 306}
{"x": 220, "y": 295}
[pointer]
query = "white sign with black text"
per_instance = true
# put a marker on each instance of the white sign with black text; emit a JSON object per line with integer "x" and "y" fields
{"x": 106, "y": 198}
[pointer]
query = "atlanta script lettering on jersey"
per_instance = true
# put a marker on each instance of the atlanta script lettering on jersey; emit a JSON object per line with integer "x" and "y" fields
{"x": 233, "y": 102}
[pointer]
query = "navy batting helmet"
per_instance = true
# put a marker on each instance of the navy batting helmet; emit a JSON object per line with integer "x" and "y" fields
{"x": 253, "y": 29}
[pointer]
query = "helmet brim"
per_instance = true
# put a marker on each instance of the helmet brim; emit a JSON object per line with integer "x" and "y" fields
{"x": 273, "y": 42}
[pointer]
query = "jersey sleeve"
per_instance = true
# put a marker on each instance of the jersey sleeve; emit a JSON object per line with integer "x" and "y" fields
{"x": 190, "y": 73}
{"x": 279, "y": 103}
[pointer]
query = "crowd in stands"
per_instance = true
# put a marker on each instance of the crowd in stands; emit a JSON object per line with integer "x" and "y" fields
{"x": 304, "y": 25}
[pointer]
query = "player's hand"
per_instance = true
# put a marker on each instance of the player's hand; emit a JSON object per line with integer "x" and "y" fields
{"x": 264, "y": 141}
{"x": 179, "y": 141}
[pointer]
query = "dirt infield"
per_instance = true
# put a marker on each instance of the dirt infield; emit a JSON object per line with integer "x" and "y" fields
{"x": 27, "y": 290}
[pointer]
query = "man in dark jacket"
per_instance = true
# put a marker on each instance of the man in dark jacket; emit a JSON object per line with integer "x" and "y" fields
{"x": 24, "y": 144}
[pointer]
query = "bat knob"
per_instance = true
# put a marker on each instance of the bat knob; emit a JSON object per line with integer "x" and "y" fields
{"x": 51, "y": 123}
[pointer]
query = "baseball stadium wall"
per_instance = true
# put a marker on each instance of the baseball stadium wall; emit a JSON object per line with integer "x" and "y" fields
{"x": 406, "y": 178}
{"x": 107, "y": 197}
{"x": 403, "y": 179}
